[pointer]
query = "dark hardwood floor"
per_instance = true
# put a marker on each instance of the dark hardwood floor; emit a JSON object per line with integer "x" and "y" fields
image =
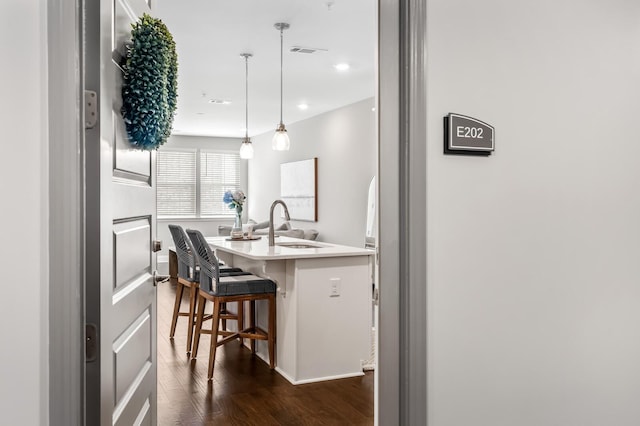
{"x": 244, "y": 391}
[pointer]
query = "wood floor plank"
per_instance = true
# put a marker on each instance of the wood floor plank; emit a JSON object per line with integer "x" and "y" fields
{"x": 244, "y": 391}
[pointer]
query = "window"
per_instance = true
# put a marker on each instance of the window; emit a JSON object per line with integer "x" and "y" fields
{"x": 176, "y": 183}
{"x": 191, "y": 183}
{"x": 219, "y": 172}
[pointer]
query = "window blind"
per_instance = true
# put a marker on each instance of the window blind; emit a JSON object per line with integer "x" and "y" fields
{"x": 192, "y": 183}
{"x": 219, "y": 172}
{"x": 176, "y": 183}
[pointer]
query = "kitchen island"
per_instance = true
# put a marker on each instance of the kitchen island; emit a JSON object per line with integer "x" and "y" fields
{"x": 323, "y": 308}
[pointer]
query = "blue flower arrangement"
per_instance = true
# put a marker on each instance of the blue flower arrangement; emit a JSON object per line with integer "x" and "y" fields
{"x": 150, "y": 86}
{"x": 234, "y": 200}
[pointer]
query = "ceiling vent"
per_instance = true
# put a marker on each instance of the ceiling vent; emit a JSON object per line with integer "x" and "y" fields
{"x": 300, "y": 49}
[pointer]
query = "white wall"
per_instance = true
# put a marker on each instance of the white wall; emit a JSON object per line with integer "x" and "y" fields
{"x": 23, "y": 190}
{"x": 344, "y": 140}
{"x": 208, "y": 226}
{"x": 533, "y": 252}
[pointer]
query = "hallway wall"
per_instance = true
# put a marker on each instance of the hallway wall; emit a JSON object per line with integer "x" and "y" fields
{"x": 23, "y": 190}
{"x": 533, "y": 252}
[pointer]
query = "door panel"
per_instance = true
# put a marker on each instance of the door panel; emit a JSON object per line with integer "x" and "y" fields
{"x": 133, "y": 164}
{"x": 121, "y": 221}
{"x": 124, "y": 15}
{"x": 130, "y": 246}
{"x": 132, "y": 354}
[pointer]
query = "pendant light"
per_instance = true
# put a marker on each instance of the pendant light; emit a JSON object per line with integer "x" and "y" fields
{"x": 246, "y": 148}
{"x": 280, "y": 141}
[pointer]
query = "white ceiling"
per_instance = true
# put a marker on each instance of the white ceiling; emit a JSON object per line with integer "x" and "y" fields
{"x": 210, "y": 35}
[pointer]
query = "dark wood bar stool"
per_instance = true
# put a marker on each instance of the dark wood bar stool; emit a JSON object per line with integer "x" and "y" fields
{"x": 221, "y": 289}
{"x": 188, "y": 277}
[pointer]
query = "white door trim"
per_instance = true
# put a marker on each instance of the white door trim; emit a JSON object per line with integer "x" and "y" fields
{"x": 402, "y": 191}
{"x": 388, "y": 368}
{"x": 66, "y": 220}
{"x": 413, "y": 220}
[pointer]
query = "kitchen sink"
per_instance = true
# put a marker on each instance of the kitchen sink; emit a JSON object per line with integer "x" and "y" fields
{"x": 298, "y": 245}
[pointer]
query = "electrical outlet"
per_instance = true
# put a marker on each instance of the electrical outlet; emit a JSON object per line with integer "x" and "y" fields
{"x": 334, "y": 287}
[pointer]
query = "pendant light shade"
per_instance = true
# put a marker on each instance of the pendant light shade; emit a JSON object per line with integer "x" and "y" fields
{"x": 280, "y": 141}
{"x": 246, "y": 148}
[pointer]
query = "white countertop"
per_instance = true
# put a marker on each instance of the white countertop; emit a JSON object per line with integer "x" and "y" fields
{"x": 260, "y": 250}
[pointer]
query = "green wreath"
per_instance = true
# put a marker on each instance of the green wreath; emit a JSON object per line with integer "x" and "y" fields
{"x": 149, "y": 89}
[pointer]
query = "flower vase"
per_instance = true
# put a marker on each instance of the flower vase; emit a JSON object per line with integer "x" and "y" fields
{"x": 236, "y": 231}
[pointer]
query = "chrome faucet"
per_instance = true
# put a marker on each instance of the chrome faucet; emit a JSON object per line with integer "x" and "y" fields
{"x": 286, "y": 216}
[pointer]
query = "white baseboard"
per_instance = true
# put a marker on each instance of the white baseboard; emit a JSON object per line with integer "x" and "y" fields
{"x": 318, "y": 379}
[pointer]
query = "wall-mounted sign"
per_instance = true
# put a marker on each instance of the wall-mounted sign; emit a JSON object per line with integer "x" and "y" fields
{"x": 467, "y": 136}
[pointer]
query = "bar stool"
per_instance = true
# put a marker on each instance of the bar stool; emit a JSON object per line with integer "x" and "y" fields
{"x": 221, "y": 289}
{"x": 188, "y": 277}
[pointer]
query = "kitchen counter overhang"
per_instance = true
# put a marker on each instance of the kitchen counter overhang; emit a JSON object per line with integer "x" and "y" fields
{"x": 285, "y": 248}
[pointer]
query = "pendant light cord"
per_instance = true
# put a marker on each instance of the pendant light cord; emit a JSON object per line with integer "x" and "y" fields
{"x": 246, "y": 150}
{"x": 281, "y": 44}
{"x": 246, "y": 97}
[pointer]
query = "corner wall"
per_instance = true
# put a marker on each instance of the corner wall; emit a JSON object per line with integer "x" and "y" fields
{"x": 533, "y": 253}
{"x": 344, "y": 140}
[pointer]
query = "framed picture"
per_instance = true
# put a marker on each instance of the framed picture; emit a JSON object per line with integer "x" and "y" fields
{"x": 299, "y": 188}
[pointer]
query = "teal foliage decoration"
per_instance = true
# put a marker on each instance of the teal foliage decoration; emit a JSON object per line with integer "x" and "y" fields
{"x": 150, "y": 86}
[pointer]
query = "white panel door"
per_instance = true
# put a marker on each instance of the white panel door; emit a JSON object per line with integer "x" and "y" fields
{"x": 121, "y": 218}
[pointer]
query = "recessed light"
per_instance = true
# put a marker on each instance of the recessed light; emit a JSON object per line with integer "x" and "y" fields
{"x": 219, "y": 101}
{"x": 303, "y": 106}
{"x": 341, "y": 67}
